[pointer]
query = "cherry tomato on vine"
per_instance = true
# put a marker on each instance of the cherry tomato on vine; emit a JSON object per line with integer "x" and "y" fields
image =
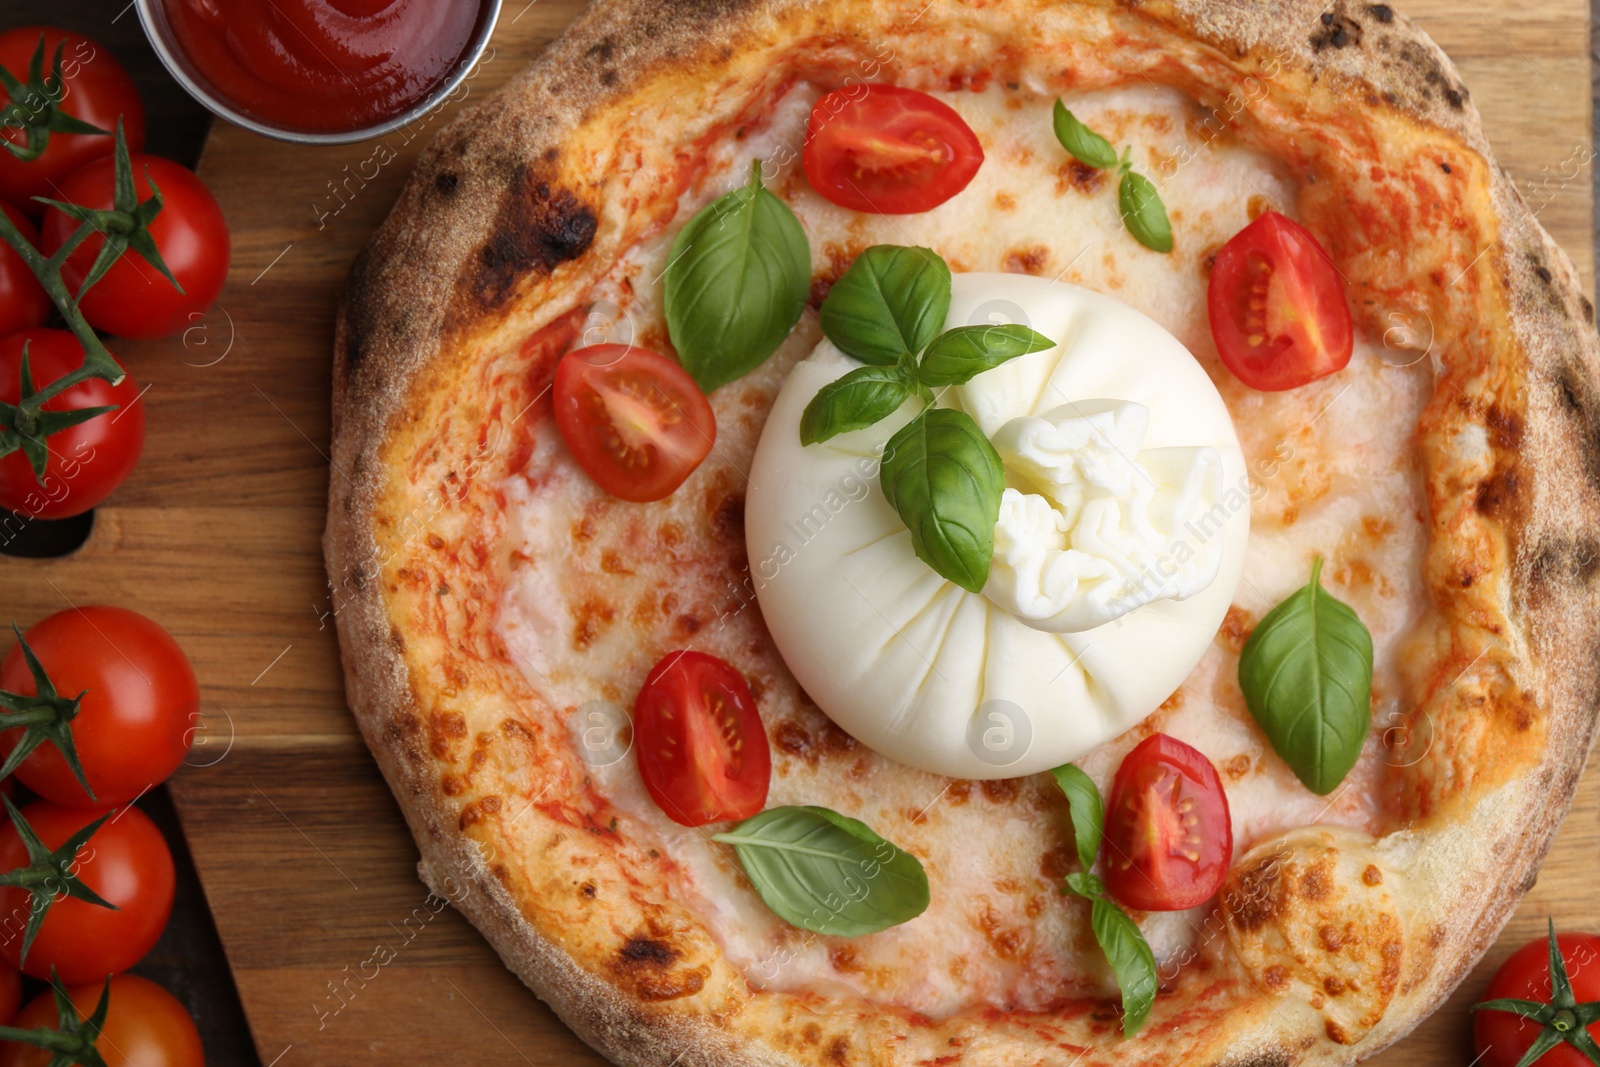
{"x": 145, "y": 1026}
{"x": 88, "y": 461}
{"x": 1502, "y": 1037}
{"x": 1277, "y": 306}
{"x": 1168, "y": 838}
{"x": 98, "y": 91}
{"x": 634, "y": 419}
{"x": 23, "y": 301}
{"x": 127, "y": 862}
{"x": 134, "y": 299}
{"x": 888, "y": 150}
{"x": 702, "y": 751}
{"x": 138, "y": 714}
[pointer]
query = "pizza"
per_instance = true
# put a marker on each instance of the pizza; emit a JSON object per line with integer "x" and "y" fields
{"x": 943, "y": 533}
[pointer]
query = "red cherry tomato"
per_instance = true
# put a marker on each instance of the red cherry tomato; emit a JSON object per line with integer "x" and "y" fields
{"x": 87, "y": 461}
{"x": 10, "y": 994}
{"x": 138, "y": 714}
{"x": 133, "y": 299}
{"x": 145, "y": 1026}
{"x": 98, "y": 90}
{"x": 127, "y": 862}
{"x": 23, "y": 301}
{"x": 1168, "y": 839}
{"x": 702, "y": 750}
{"x": 888, "y": 150}
{"x": 1277, "y": 306}
{"x": 1502, "y": 1037}
{"x": 634, "y": 420}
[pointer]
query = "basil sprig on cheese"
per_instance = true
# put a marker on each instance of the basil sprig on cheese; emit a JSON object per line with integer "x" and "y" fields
{"x": 737, "y": 280}
{"x": 940, "y": 473}
{"x": 1143, "y": 213}
{"x": 1306, "y": 673}
{"x": 828, "y": 873}
{"x": 1117, "y": 935}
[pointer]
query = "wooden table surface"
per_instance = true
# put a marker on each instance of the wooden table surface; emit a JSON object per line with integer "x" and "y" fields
{"x": 304, "y": 858}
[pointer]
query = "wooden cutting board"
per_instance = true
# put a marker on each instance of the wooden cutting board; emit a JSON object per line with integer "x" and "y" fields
{"x": 340, "y": 956}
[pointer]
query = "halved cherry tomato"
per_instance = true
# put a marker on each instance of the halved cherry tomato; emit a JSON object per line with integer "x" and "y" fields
{"x": 1503, "y": 1038}
{"x": 145, "y": 1026}
{"x": 87, "y": 461}
{"x": 134, "y": 299}
{"x": 138, "y": 714}
{"x": 23, "y": 301}
{"x": 635, "y": 421}
{"x": 1277, "y": 306}
{"x": 1169, "y": 838}
{"x": 702, "y": 750}
{"x": 888, "y": 150}
{"x": 127, "y": 862}
{"x": 98, "y": 91}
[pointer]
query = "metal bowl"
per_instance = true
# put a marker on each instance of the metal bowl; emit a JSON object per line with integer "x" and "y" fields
{"x": 152, "y": 13}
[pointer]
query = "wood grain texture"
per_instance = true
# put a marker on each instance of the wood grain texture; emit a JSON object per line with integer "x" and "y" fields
{"x": 340, "y": 955}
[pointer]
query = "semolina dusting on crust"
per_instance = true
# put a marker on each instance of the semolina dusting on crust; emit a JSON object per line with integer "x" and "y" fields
{"x": 1328, "y": 943}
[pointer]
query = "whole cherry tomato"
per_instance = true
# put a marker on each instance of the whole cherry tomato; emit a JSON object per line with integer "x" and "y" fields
{"x": 888, "y": 150}
{"x": 1168, "y": 838}
{"x": 145, "y": 1026}
{"x": 140, "y": 706}
{"x": 134, "y": 299}
{"x": 635, "y": 421}
{"x": 87, "y": 461}
{"x": 1277, "y": 307}
{"x": 98, "y": 91}
{"x": 702, "y": 751}
{"x": 127, "y": 862}
{"x": 23, "y": 301}
{"x": 1502, "y": 1038}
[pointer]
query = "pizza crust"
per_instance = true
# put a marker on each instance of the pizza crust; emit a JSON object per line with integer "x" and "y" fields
{"x": 497, "y": 235}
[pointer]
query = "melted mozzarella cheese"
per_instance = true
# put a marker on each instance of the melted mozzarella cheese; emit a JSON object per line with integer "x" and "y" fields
{"x": 1328, "y": 474}
{"x": 956, "y": 682}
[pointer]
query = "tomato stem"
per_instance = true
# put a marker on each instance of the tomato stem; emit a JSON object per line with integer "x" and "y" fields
{"x": 74, "y": 1038}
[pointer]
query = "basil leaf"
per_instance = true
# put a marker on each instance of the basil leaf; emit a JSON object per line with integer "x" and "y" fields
{"x": 1086, "y": 146}
{"x": 828, "y": 873}
{"x": 737, "y": 280}
{"x": 961, "y": 354}
{"x": 1143, "y": 212}
{"x": 1088, "y": 811}
{"x": 945, "y": 479}
{"x": 1131, "y": 961}
{"x": 889, "y": 305}
{"x": 1306, "y": 673}
{"x": 853, "y": 402}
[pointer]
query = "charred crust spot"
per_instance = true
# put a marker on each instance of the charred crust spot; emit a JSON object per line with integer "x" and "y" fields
{"x": 1333, "y": 986}
{"x": 1001, "y": 790}
{"x": 538, "y": 229}
{"x": 838, "y": 1051}
{"x": 1497, "y": 491}
{"x": 1056, "y": 863}
{"x": 1382, "y": 12}
{"x": 1338, "y": 31}
{"x": 792, "y": 738}
{"x": 604, "y": 50}
{"x": 1317, "y": 883}
{"x": 551, "y": 154}
{"x": 1276, "y": 977}
{"x": 647, "y": 950}
{"x": 1505, "y": 428}
{"x": 835, "y": 742}
{"x": 1446, "y": 168}
{"x": 1454, "y": 98}
{"x": 1079, "y": 176}
{"x": 1565, "y": 561}
{"x": 687, "y": 625}
{"x": 1254, "y": 901}
{"x": 1336, "y": 1033}
{"x": 1030, "y": 260}
{"x": 446, "y": 729}
{"x": 1372, "y": 875}
{"x": 1237, "y": 626}
{"x": 588, "y": 889}
{"x": 591, "y": 619}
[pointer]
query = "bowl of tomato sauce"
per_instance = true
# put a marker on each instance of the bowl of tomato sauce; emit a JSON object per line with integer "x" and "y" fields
{"x": 320, "y": 71}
